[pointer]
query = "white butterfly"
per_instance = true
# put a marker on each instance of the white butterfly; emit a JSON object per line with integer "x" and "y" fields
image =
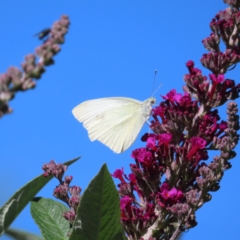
{"x": 114, "y": 121}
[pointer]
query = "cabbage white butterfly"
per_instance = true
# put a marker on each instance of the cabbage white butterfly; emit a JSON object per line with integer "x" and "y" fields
{"x": 115, "y": 121}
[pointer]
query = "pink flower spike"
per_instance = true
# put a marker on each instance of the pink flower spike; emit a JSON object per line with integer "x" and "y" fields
{"x": 165, "y": 195}
{"x": 190, "y": 64}
{"x": 164, "y": 186}
{"x": 191, "y": 69}
{"x": 159, "y": 111}
{"x": 222, "y": 126}
{"x": 198, "y": 142}
{"x": 151, "y": 143}
{"x": 164, "y": 139}
{"x": 75, "y": 190}
{"x": 142, "y": 155}
{"x": 132, "y": 178}
{"x": 172, "y": 96}
{"x": 173, "y": 195}
{"x": 119, "y": 174}
{"x": 217, "y": 79}
{"x": 70, "y": 215}
{"x": 125, "y": 201}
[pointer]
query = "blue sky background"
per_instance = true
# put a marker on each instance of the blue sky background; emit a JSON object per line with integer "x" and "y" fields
{"x": 112, "y": 49}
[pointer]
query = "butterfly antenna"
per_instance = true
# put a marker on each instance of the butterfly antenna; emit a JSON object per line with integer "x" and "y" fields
{"x": 157, "y": 89}
{"x": 155, "y": 74}
{"x": 154, "y": 80}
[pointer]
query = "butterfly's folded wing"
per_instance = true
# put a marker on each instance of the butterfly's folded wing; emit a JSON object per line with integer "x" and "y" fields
{"x": 115, "y": 122}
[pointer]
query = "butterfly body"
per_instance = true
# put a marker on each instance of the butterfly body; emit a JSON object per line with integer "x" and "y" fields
{"x": 115, "y": 121}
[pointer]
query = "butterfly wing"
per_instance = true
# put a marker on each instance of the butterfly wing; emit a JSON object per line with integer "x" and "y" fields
{"x": 115, "y": 122}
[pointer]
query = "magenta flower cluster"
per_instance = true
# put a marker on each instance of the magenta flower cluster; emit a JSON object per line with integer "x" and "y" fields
{"x": 66, "y": 193}
{"x": 172, "y": 176}
{"x": 15, "y": 80}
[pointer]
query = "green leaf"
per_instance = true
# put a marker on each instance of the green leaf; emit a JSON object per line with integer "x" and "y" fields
{"x": 21, "y": 198}
{"x": 98, "y": 216}
{"x": 47, "y": 213}
{"x": 21, "y": 235}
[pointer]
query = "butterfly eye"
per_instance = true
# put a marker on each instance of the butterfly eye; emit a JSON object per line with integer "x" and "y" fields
{"x": 153, "y": 100}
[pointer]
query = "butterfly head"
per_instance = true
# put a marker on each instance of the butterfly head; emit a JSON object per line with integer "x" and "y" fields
{"x": 151, "y": 100}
